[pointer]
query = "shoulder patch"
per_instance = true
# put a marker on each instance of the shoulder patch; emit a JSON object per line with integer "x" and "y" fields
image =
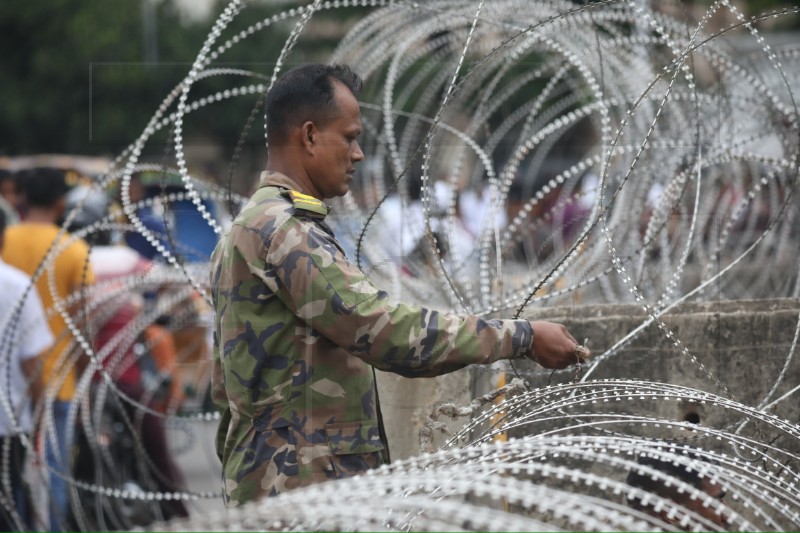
{"x": 308, "y": 203}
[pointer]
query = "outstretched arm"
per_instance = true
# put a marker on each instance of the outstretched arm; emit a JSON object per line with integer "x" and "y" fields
{"x": 308, "y": 272}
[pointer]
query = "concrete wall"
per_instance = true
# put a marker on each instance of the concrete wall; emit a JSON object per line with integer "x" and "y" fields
{"x": 742, "y": 344}
{"x": 406, "y": 404}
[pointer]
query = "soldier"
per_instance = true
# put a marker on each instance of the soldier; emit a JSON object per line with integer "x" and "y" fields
{"x": 298, "y": 327}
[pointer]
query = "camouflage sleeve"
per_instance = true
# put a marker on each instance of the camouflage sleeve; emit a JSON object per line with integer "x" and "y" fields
{"x": 308, "y": 272}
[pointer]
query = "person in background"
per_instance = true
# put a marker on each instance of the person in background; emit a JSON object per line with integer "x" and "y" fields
{"x": 24, "y": 336}
{"x": 152, "y": 218}
{"x": 27, "y": 244}
{"x": 9, "y": 201}
{"x": 161, "y": 345}
{"x": 668, "y": 487}
{"x": 130, "y": 368}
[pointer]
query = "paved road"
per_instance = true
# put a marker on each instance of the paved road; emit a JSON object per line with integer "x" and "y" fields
{"x": 199, "y": 464}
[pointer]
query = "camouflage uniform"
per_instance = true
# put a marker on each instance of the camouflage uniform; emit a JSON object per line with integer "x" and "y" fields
{"x": 298, "y": 329}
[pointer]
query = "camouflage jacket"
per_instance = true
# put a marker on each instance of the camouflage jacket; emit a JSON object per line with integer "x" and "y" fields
{"x": 298, "y": 329}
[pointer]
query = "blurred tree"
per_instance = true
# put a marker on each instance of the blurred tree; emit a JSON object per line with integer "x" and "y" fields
{"x": 85, "y": 77}
{"x": 79, "y": 77}
{"x": 61, "y": 59}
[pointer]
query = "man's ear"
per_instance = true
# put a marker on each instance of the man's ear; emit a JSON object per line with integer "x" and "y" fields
{"x": 308, "y": 134}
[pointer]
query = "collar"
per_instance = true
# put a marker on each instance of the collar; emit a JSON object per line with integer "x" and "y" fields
{"x": 301, "y": 201}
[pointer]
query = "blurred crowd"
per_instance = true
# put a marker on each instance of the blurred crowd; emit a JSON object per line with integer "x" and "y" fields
{"x": 94, "y": 346}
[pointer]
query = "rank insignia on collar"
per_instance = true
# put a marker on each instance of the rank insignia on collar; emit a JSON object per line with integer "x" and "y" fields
{"x": 308, "y": 203}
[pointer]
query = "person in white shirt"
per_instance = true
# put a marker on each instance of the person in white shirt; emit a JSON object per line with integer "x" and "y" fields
{"x": 24, "y": 334}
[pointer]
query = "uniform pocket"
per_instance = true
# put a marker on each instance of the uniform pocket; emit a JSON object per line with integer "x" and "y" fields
{"x": 262, "y": 459}
{"x": 355, "y": 447}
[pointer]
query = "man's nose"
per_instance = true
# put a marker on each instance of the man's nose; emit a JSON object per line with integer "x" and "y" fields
{"x": 357, "y": 154}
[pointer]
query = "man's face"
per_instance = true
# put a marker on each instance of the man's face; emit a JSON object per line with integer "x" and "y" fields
{"x": 695, "y": 505}
{"x": 336, "y": 146}
{"x": 715, "y": 491}
{"x": 682, "y": 499}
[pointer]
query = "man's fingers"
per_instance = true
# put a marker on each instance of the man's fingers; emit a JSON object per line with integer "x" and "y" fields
{"x": 582, "y": 352}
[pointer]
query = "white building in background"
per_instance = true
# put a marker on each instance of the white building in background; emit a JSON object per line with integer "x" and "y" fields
{"x": 195, "y": 10}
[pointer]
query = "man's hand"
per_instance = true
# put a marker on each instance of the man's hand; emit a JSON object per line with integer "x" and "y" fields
{"x": 554, "y": 347}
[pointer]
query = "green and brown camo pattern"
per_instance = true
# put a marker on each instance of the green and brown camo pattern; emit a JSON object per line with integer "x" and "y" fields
{"x": 297, "y": 329}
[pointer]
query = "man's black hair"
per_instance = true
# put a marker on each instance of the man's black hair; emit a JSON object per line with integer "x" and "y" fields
{"x": 43, "y": 186}
{"x": 671, "y": 467}
{"x": 305, "y": 93}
